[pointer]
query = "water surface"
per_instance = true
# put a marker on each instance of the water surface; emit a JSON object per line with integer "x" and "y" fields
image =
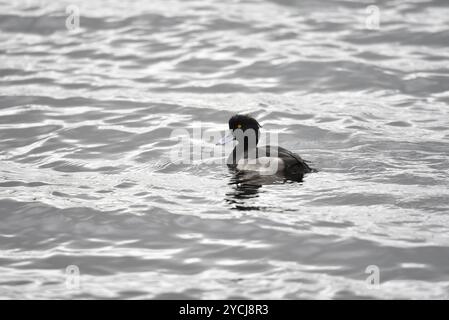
{"x": 86, "y": 177}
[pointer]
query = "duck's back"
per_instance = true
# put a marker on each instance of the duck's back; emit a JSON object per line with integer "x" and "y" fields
{"x": 293, "y": 163}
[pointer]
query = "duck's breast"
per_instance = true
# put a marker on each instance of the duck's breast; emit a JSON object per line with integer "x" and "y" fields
{"x": 263, "y": 165}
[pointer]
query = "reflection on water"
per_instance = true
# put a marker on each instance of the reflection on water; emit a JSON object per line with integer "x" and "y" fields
{"x": 247, "y": 184}
{"x": 244, "y": 186}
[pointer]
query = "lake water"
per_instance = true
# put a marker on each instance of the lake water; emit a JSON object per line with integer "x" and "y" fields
{"x": 88, "y": 185}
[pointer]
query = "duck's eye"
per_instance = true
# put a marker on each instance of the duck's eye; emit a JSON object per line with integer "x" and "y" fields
{"x": 239, "y": 126}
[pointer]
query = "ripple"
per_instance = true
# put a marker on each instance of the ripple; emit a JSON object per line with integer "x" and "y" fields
{"x": 87, "y": 179}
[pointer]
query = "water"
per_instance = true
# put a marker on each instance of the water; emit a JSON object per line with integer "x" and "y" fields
{"x": 87, "y": 181}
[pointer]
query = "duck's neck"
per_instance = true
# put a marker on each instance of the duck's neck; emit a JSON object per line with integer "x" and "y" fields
{"x": 243, "y": 150}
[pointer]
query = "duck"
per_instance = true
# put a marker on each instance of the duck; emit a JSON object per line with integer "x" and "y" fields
{"x": 265, "y": 160}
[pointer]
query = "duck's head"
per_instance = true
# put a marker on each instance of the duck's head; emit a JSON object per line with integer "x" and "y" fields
{"x": 243, "y": 122}
{"x": 243, "y": 128}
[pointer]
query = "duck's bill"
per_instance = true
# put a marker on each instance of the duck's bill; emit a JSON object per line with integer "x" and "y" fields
{"x": 225, "y": 139}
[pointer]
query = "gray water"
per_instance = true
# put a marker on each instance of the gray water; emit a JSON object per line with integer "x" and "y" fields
{"x": 87, "y": 180}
